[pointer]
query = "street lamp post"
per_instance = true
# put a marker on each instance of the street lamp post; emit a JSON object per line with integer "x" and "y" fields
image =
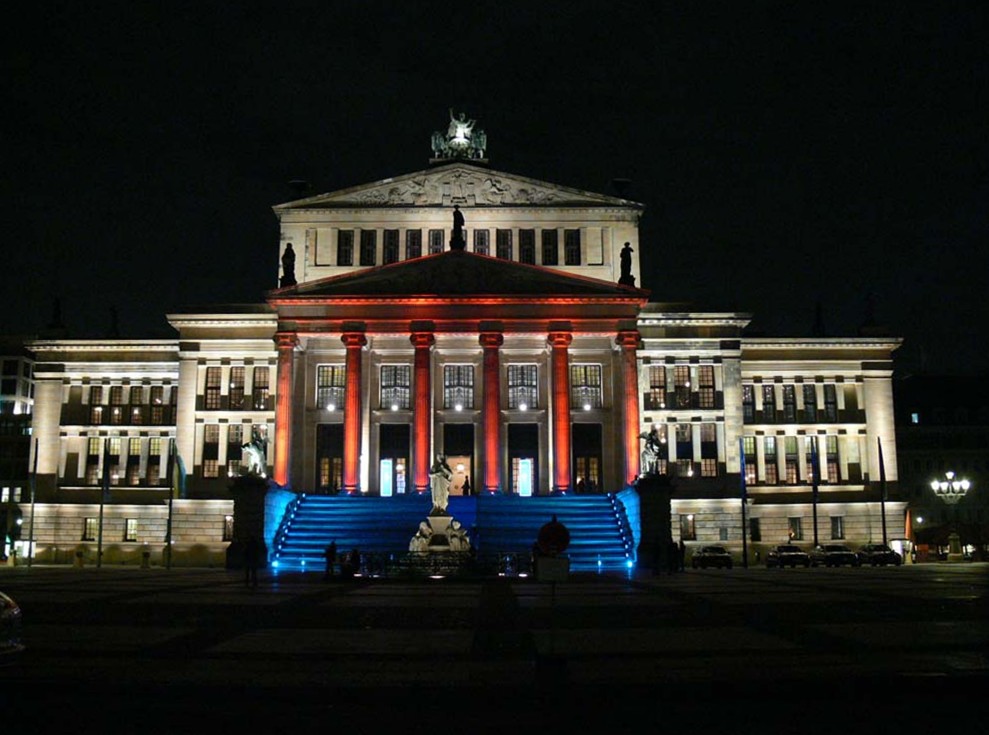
{"x": 952, "y": 489}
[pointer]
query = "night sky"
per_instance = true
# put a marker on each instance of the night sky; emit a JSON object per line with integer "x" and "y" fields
{"x": 790, "y": 155}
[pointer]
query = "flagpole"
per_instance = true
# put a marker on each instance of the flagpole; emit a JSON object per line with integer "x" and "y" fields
{"x": 815, "y": 472}
{"x": 882, "y": 486}
{"x": 172, "y": 471}
{"x": 103, "y": 491}
{"x": 745, "y": 535}
{"x": 34, "y": 476}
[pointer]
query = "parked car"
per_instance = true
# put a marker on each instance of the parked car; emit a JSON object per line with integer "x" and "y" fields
{"x": 787, "y": 555}
{"x": 878, "y": 555}
{"x": 711, "y": 556}
{"x": 833, "y": 555}
{"x": 10, "y": 625}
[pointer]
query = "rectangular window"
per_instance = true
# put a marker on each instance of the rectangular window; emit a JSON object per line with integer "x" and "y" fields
{"x": 331, "y": 383}
{"x": 503, "y": 244}
{"x": 345, "y": 247}
{"x": 90, "y": 527}
{"x": 830, "y": 403}
{"x": 571, "y": 247}
{"x": 390, "y": 247}
{"x": 435, "y": 241}
{"x": 789, "y": 404}
{"x": 748, "y": 404}
{"x": 130, "y": 529}
{"x": 551, "y": 247}
{"x": 95, "y": 404}
{"x": 157, "y": 405}
{"x": 212, "y": 400}
{"x": 235, "y": 396}
{"x": 228, "y": 528}
{"x": 772, "y": 475}
{"x": 769, "y": 404}
{"x": 527, "y": 246}
{"x": 211, "y": 468}
{"x": 395, "y": 383}
{"x": 681, "y": 386}
{"x": 685, "y": 450}
{"x": 585, "y": 386}
{"x": 831, "y": 443}
{"x": 751, "y": 467}
{"x": 522, "y": 386}
{"x": 755, "y": 531}
{"x": 235, "y": 441}
{"x": 458, "y": 386}
{"x": 413, "y": 244}
{"x": 810, "y": 404}
{"x": 369, "y": 247}
{"x": 837, "y": 527}
{"x": 136, "y": 405}
{"x": 481, "y": 242}
{"x": 116, "y": 405}
{"x": 655, "y": 399}
{"x": 688, "y": 531}
{"x": 791, "y": 459}
{"x": 260, "y": 396}
{"x": 705, "y": 386}
{"x": 709, "y": 467}
{"x": 809, "y": 457}
{"x": 796, "y": 530}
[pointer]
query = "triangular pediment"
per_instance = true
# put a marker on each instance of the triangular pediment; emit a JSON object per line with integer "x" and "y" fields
{"x": 456, "y": 183}
{"x": 457, "y": 273}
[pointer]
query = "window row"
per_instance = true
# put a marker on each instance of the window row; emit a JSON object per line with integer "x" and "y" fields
{"x": 126, "y": 456}
{"x": 134, "y": 405}
{"x": 132, "y": 530}
{"x": 681, "y": 386}
{"x": 395, "y": 386}
{"x": 238, "y": 396}
{"x": 793, "y": 460}
{"x": 795, "y": 528}
{"x": 366, "y": 242}
{"x": 773, "y": 403}
{"x": 685, "y": 450}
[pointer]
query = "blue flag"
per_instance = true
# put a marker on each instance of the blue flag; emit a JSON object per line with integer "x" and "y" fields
{"x": 106, "y": 470}
{"x": 741, "y": 448}
{"x": 178, "y": 474}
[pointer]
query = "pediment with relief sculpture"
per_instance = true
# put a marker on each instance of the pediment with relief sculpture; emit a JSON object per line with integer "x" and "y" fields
{"x": 458, "y": 183}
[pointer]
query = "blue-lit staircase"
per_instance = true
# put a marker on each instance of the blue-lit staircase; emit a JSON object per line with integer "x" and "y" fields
{"x": 600, "y": 539}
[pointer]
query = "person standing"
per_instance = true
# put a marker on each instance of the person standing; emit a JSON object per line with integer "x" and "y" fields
{"x": 466, "y": 485}
{"x": 253, "y": 553}
{"x": 330, "y": 554}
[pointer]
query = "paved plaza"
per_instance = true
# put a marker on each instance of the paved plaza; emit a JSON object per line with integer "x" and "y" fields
{"x": 177, "y": 648}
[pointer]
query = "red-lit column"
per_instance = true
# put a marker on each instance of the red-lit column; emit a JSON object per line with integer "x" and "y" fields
{"x": 421, "y": 414}
{"x": 286, "y": 342}
{"x": 628, "y": 343}
{"x": 560, "y": 368}
{"x": 491, "y": 341}
{"x": 354, "y": 342}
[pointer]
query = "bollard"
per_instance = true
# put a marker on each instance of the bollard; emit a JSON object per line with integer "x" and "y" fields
{"x": 145, "y": 560}
{"x": 79, "y": 561}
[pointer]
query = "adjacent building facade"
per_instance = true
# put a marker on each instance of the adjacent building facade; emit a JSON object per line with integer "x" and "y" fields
{"x": 494, "y": 319}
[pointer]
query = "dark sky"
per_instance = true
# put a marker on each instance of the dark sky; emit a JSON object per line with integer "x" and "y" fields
{"x": 789, "y": 155}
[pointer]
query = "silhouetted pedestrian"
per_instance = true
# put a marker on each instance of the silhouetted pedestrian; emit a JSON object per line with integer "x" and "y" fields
{"x": 681, "y": 554}
{"x": 253, "y": 554}
{"x": 330, "y": 554}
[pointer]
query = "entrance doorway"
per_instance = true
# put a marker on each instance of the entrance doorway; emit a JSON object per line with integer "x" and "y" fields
{"x": 523, "y": 454}
{"x": 458, "y": 446}
{"x": 329, "y": 458}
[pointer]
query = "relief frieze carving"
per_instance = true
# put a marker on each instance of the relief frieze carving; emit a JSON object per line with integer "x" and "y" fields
{"x": 457, "y": 187}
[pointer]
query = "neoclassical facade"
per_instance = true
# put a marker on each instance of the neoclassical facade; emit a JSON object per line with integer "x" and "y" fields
{"x": 519, "y": 342}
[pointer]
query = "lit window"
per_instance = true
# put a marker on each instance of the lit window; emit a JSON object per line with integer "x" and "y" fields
{"x": 458, "y": 386}
{"x": 395, "y": 387}
{"x": 130, "y": 529}
{"x": 585, "y": 387}
{"x": 655, "y": 399}
{"x": 522, "y": 386}
{"x": 331, "y": 381}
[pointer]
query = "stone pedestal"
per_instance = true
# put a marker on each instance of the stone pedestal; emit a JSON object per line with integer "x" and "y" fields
{"x": 655, "y": 512}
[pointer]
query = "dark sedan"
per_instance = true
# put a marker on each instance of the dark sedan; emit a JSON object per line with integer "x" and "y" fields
{"x": 711, "y": 556}
{"x": 833, "y": 555}
{"x": 879, "y": 555}
{"x": 787, "y": 555}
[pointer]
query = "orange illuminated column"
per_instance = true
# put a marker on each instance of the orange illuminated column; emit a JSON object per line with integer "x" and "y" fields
{"x": 491, "y": 341}
{"x": 560, "y": 369}
{"x": 286, "y": 342}
{"x": 421, "y": 415}
{"x": 354, "y": 342}
{"x": 628, "y": 341}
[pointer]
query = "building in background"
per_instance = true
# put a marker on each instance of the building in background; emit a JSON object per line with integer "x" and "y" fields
{"x": 486, "y": 316}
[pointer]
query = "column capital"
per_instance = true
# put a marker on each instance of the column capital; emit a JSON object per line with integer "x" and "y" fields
{"x": 560, "y": 339}
{"x": 491, "y": 339}
{"x": 422, "y": 339}
{"x": 628, "y": 338}
{"x": 286, "y": 340}
{"x": 353, "y": 339}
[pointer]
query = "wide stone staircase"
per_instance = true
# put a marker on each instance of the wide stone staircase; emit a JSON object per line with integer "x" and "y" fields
{"x": 502, "y": 529}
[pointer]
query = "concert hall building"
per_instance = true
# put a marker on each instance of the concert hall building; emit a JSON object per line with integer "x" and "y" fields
{"x": 528, "y": 354}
